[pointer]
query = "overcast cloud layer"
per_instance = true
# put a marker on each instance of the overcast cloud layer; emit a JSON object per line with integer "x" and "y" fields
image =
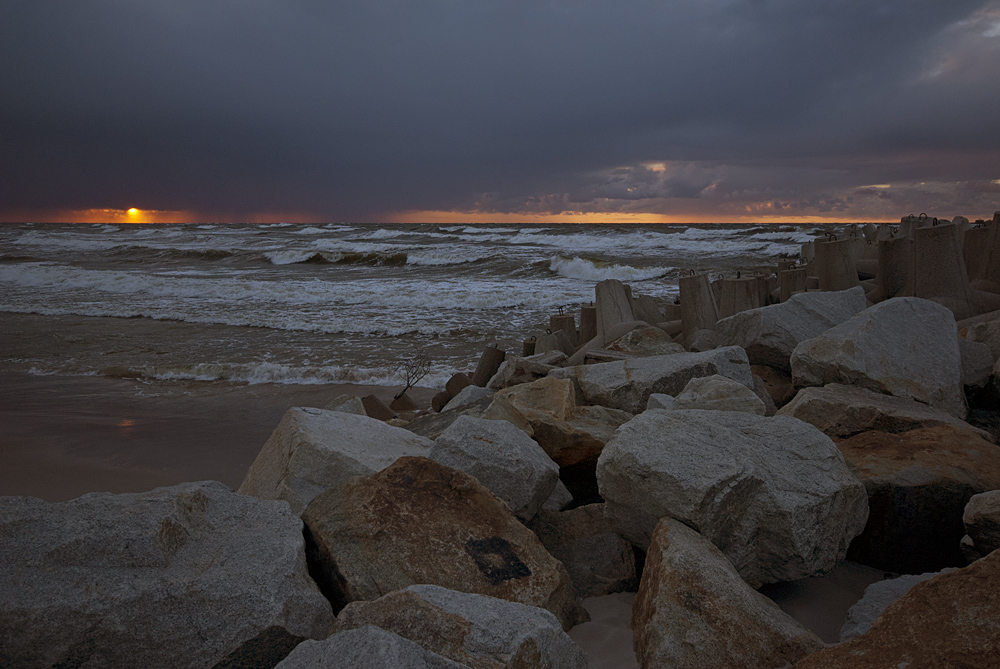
{"x": 356, "y": 110}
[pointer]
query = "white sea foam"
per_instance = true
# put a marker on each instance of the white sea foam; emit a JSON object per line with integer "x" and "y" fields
{"x": 269, "y": 372}
{"x": 311, "y": 230}
{"x": 588, "y": 269}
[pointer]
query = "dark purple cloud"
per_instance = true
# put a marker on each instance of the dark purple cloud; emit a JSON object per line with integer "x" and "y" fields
{"x": 352, "y": 109}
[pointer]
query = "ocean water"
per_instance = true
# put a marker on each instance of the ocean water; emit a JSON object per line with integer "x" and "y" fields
{"x": 326, "y": 303}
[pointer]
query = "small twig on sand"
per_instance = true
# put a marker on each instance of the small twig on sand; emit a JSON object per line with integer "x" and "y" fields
{"x": 412, "y": 371}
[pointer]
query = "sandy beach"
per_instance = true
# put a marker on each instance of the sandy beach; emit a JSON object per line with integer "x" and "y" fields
{"x": 64, "y": 436}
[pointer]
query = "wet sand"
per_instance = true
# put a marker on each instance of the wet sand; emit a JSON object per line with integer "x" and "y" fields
{"x": 63, "y": 436}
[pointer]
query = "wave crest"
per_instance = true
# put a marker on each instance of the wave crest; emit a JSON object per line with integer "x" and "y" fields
{"x": 588, "y": 269}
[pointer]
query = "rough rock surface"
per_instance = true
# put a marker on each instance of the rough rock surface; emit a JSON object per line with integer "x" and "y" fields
{"x": 364, "y": 648}
{"x": 844, "y": 411}
{"x": 515, "y": 370}
{"x": 478, "y": 631}
{"x": 987, "y": 333}
{"x": 761, "y": 390}
{"x": 770, "y": 334}
{"x": 906, "y": 346}
{"x": 774, "y": 494}
{"x": 570, "y": 434}
{"x": 347, "y": 404}
{"x": 560, "y": 498}
{"x": 598, "y": 560}
{"x": 175, "y": 577}
{"x": 878, "y": 596}
{"x": 627, "y": 384}
{"x": 419, "y": 522}
{"x": 952, "y": 620}
{"x": 693, "y": 610}
{"x": 467, "y": 395}
{"x": 646, "y": 341}
{"x": 918, "y": 484}
{"x": 977, "y": 363}
{"x": 490, "y": 408}
{"x": 982, "y": 523}
{"x": 660, "y": 401}
{"x": 778, "y": 384}
{"x": 718, "y": 393}
{"x": 313, "y": 450}
{"x": 501, "y": 457}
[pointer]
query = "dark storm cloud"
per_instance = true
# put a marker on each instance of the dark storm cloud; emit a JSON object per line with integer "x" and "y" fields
{"x": 350, "y": 109}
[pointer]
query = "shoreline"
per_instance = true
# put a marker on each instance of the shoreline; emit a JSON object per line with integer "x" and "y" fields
{"x": 65, "y": 436}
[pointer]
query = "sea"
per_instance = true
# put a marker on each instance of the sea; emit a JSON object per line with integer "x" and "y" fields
{"x": 325, "y": 304}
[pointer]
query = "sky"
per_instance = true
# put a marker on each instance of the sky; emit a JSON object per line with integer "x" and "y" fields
{"x": 498, "y": 110}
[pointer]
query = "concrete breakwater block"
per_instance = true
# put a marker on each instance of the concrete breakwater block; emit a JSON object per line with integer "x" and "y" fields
{"x": 614, "y": 306}
{"x": 699, "y": 310}
{"x": 939, "y": 269}
{"x": 489, "y": 363}
{"x": 185, "y": 575}
{"x": 835, "y": 264}
{"x": 419, "y": 522}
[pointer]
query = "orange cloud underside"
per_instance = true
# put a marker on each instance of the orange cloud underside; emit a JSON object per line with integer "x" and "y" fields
{"x": 458, "y": 217}
{"x": 137, "y": 215}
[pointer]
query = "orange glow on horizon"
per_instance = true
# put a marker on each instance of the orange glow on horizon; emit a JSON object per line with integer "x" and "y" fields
{"x": 459, "y": 217}
{"x": 136, "y": 215}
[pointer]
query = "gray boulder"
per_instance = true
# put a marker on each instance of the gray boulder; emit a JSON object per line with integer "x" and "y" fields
{"x": 718, "y": 393}
{"x": 877, "y": 598}
{"x": 560, "y": 498}
{"x": 646, "y": 340}
{"x": 313, "y": 450}
{"x": 492, "y": 407}
{"x": 770, "y": 334}
{"x": 844, "y": 411}
{"x": 468, "y": 395}
{"x": 982, "y": 524}
{"x": 505, "y": 460}
{"x": 660, "y": 401}
{"x": 977, "y": 363}
{"x": 774, "y": 494}
{"x": 347, "y": 404}
{"x": 906, "y": 346}
{"x": 694, "y": 611}
{"x": 366, "y": 647}
{"x": 627, "y": 384}
{"x": 475, "y": 630}
{"x": 987, "y": 333}
{"x": 175, "y": 577}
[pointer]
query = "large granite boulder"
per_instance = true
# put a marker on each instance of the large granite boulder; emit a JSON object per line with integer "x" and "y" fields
{"x": 515, "y": 370}
{"x": 466, "y": 396}
{"x": 770, "y": 334}
{"x": 646, "y": 341}
{"x": 366, "y": 647}
{"x": 918, "y": 484}
{"x": 598, "y": 560}
{"x": 987, "y": 333}
{"x": 627, "y": 384}
{"x": 774, "y": 494}
{"x": 175, "y": 577}
{"x": 718, "y": 393}
{"x": 844, "y": 411}
{"x": 906, "y": 346}
{"x": 982, "y": 525}
{"x": 952, "y": 620}
{"x": 313, "y": 450}
{"x": 877, "y": 598}
{"x": 501, "y": 457}
{"x": 419, "y": 522}
{"x": 491, "y": 407}
{"x": 573, "y": 436}
{"x": 474, "y": 630}
{"x": 693, "y": 610}
{"x": 977, "y": 363}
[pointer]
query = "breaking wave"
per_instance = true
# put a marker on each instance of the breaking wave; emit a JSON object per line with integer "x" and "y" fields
{"x": 588, "y": 269}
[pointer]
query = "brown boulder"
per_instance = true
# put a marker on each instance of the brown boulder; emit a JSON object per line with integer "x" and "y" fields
{"x": 693, "y": 610}
{"x": 778, "y": 384}
{"x": 419, "y": 522}
{"x": 918, "y": 484}
{"x": 982, "y": 525}
{"x": 573, "y": 436}
{"x": 599, "y": 561}
{"x": 951, "y": 620}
